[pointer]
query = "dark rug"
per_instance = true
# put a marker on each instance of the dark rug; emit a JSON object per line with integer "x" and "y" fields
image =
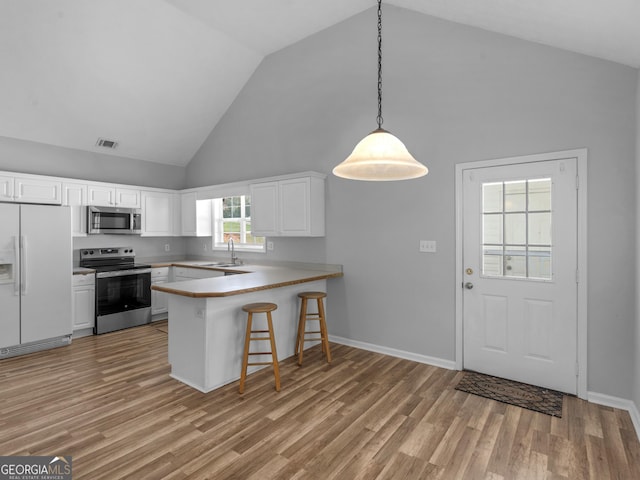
{"x": 522, "y": 395}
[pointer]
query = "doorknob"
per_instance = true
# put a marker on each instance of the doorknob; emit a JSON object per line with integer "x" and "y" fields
{"x": 468, "y": 285}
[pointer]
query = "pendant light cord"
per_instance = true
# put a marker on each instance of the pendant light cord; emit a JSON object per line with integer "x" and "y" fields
{"x": 379, "y": 118}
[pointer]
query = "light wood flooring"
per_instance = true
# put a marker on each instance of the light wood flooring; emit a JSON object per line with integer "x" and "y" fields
{"x": 108, "y": 401}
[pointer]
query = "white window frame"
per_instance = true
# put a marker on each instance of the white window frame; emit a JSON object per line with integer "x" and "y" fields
{"x": 218, "y": 221}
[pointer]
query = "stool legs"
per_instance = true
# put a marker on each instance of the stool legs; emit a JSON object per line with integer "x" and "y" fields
{"x": 324, "y": 337}
{"x": 248, "y": 339}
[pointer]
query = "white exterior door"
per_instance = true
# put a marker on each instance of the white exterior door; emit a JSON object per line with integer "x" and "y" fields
{"x": 520, "y": 272}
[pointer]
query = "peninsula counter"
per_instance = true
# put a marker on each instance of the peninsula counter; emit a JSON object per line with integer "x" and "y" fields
{"x": 207, "y": 324}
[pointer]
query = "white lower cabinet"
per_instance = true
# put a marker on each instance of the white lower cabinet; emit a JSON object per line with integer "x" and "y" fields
{"x": 159, "y": 300}
{"x": 84, "y": 304}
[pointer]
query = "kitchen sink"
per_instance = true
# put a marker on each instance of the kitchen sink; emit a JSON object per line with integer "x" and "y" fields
{"x": 220, "y": 264}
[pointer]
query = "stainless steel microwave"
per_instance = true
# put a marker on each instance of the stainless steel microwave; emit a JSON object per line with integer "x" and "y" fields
{"x": 122, "y": 221}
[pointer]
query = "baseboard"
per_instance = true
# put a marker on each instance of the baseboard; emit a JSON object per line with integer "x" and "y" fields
{"x": 617, "y": 402}
{"x": 436, "y": 362}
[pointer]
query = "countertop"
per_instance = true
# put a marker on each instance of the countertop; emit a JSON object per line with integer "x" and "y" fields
{"x": 250, "y": 278}
{"x": 82, "y": 270}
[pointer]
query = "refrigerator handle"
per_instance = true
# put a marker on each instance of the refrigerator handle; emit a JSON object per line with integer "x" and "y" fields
{"x": 23, "y": 264}
{"x": 16, "y": 269}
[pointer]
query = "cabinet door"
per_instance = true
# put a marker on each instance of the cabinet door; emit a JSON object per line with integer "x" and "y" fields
{"x": 264, "y": 209}
{"x": 6, "y": 189}
{"x": 75, "y": 196}
{"x": 159, "y": 300}
{"x": 196, "y": 216}
{"x": 32, "y": 190}
{"x": 126, "y": 197}
{"x": 102, "y": 196}
{"x": 294, "y": 207}
{"x": 157, "y": 214}
{"x": 84, "y": 300}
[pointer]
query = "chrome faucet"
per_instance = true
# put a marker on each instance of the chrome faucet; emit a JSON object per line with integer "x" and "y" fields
{"x": 231, "y": 247}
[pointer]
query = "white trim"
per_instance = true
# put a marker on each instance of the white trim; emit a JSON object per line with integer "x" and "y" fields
{"x": 581, "y": 156}
{"x": 436, "y": 362}
{"x": 619, "y": 403}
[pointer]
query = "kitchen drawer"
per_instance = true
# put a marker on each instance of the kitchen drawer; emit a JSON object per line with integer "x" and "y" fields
{"x": 84, "y": 279}
{"x": 159, "y": 272}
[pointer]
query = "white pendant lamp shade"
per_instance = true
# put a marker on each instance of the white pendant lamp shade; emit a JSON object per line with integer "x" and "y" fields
{"x": 380, "y": 156}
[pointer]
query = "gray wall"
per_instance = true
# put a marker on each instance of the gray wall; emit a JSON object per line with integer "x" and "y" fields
{"x": 37, "y": 158}
{"x": 452, "y": 94}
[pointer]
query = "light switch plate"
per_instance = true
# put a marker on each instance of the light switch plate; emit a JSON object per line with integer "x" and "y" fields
{"x": 428, "y": 246}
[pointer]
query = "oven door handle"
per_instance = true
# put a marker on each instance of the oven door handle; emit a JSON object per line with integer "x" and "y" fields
{"x": 122, "y": 273}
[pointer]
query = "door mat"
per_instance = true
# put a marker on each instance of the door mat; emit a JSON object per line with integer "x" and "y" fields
{"x": 519, "y": 394}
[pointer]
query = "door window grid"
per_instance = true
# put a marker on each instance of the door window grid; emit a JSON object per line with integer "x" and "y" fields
{"x": 517, "y": 229}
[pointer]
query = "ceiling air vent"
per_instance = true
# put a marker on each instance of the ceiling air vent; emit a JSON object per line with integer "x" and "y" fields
{"x": 103, "y": 142}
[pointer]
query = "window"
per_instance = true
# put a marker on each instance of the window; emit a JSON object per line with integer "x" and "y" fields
{"x": 232, "y": 220}
{"x": 516, "y": 229}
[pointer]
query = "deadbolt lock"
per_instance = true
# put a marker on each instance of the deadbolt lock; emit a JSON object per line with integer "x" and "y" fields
{"x": 469, "y": 271}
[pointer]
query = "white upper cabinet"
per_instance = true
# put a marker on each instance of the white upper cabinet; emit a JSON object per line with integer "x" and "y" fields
{"x": 6, "y": 189}
{"x": 196, "y": 216}
{"x": 37, "y": 190}
{"x": 264, "y": 209}
{"x": 157, "y": 214}
{"x": 111, "y": 196}
{"x": 75, "y": 196}
{"x": 291, "y": 207}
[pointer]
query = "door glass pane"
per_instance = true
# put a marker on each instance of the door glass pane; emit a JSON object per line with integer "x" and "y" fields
{"x": 515, "y": 196}
{"x": 515, "y": 261}
{"x": 492, "y": 197}
{"x": 517, "y": 229}
{"x": 540, "y": 194}
{"x": 540, "y": 228}
{"x": 492, "y": 229}
{"x": 540, "y": 262}
{"x": 492, "y": 261}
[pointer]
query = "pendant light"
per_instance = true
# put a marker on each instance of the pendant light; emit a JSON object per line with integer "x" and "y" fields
{"x": 380, "y": 156}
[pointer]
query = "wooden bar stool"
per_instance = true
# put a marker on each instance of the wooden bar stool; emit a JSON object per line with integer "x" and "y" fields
{"x": 252, "y": 308}
{"x": 303, "y": 334}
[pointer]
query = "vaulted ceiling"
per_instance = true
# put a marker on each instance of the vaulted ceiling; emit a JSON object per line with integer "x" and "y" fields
{"x": 157, "y": 75}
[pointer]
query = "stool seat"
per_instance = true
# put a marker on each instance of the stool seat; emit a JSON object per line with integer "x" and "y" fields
{"x": 313, "y": 295}
{"x": 260, "y": 307}
{"x": 316, "y": 335}
{"x": 262, "y": 336}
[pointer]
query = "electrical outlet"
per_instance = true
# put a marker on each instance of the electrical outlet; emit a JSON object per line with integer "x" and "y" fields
{"x": 167, "y": 247}
{"x": 269, "y": 245}
{"x": 428, "y": 246}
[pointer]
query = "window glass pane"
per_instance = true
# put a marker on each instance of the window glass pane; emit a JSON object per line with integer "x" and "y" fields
{"x": 515, "y": 198}
{"x": 515, "y": 229}
{"x": 515, "y": 261}
{"x": 540, "y": 194}
{"x": 492, "y": 197}
{"x": 492, "y": 228}
{"x": 540, "y": 228}
{"x": 540, "y": 262}
{"x": 492, "y": 261}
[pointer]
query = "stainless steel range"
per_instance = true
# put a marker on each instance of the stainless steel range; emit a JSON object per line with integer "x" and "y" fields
{"x": 123, "y": 288}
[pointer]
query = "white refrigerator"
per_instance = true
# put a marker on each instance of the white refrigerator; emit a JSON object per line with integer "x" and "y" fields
{"x": 35, "y": 277}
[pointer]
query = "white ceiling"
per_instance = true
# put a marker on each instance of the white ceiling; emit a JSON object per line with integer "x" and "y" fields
{"x": 157, "y": 75}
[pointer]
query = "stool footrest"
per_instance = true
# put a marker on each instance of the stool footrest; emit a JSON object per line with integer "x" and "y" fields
{"x": 259, "y": 353}
{"x": 260, "y": 338}
{"x": 260, "y": 363}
